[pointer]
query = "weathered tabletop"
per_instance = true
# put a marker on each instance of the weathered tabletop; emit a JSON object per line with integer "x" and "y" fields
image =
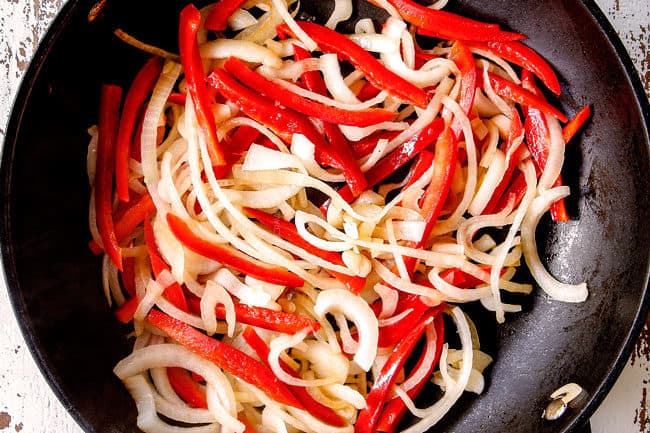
{"x": 27, "y": 403}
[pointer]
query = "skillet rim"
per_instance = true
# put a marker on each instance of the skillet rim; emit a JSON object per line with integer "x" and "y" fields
{"x": 59, "y": 25}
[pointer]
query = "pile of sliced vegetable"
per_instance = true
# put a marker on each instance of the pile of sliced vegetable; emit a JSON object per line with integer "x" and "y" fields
{"x": 287, "y": 213}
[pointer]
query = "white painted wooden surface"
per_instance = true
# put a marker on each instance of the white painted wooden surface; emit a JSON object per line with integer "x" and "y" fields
{"x": 26, "y": 402}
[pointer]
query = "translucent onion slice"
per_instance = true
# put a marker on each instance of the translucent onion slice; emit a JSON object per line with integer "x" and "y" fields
{"x": 358, "y": 311}
{"x": 245, "y": 50}
{"x": 329, "y": 66}
{"x": 554, "y": 288}
{"x": 215, "y": 294}
{"x": 342, "y": 11}
{"x": 281, "y": 7}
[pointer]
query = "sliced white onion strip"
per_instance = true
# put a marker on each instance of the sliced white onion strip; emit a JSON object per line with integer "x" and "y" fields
{"x": 358, "y": 311}
{"x": 342, "y": 11}
{"x": 329, "y": 66}
{"x": 554, "y": 288}
{"x": 213, "y": 295}
{"x": 281, "y": 7}
{"x": 389, "y": 298}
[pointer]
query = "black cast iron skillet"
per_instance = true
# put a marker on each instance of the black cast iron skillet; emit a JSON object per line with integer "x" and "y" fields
{"x": 54, "y": 281}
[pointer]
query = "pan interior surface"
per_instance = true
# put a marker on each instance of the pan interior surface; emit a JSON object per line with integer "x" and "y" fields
{"x": 55, "y": 284}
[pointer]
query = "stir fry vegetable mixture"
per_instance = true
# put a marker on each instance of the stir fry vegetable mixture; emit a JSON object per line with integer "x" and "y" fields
{"x": 287, "y": 213}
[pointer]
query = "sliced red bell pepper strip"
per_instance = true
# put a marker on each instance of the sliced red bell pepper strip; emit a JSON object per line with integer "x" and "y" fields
{"x": 463, "y": 58}
{"x": 447, "y": 25}
{"x": 395, "y": 409}
{"x": 109, "y": 115}
{"x": 318, "y": 410}
{"x": 238, "y": 144}
{"x": 330, "y": 41}
{"x": 230, "y": 256}
{"x": 248, "y": 427}
{"x": 217, "y": 19}
{"x": 173, "y": 293}
{"x": 177, "y": 98}
{"x": 127, "y": 310}
{"x": 384, "y": 382}
{"x": 509, "y": 90}
{"x": 288, "y": 232}
{"x": 279, "y": 321}
{"x": 285, "y": 122}
{"x": 436, "y": 193}
{"x": 190, "y": 22}
{"x": 129, "y": 220}
{"x": 571, "y": 129}
{"x": 366, "y": 145}
{"x": 368, "y": 91}
{"x": 303, "y": 105}
{"x": 399, "y": 157}
{"x": 226, "y": 357}
{"x": 526, "y": 57}
{"x": 191, "y": 392}
{"x": 128, "y": 276}
{"x": 142, "y": 85}
{"x": 421, "y": 165}
{"x": 392, "y": 334}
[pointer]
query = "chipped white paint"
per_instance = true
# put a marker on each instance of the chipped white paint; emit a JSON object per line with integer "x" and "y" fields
{"x": 24, "y": 395}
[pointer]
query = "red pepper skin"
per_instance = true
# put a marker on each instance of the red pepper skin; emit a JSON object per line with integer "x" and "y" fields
{"x": 177, "y": 98}
{"x": 288, "y": 232}
{"x": 127, "y": 310}
{"x": 391, "y": 335}
{"x": 395, "y": 409}
{"x": 225, "y": 357}
{"x": 380, "y": 390}
{"x": 421, "y": 165}
{"x": 368, "y": 91}
{"x": 191, "y": 392}
{"x": 279, "y": 321}
{"x": 302, "y": 105}
{"x": 366, "y": 145}
{"x": 330, "y": 41}
{"x": 142, "y": 85}
{"x": 318, "y": 410}
{"x": 174, "y": 293}
{"x": 109, "y": 112}
{"x": 128, "y": 276}
{"x": 509, "y": 90}
{"x": 447, "y": 25}
{"x": 571, "y": 129}
{"x": 230, "y": 256}
{"x": 217, "y": 19}
{"x": 463, "y": 58}
{"x": 399, "y": 157}
{"x": 443, "y": 171}
{"x": 526, "y": 57}
{"x": 190, "y": 21}
{"x": 286, "y": 122}
{"x": 237, "y": 145}
{"x": 129, "y": 220}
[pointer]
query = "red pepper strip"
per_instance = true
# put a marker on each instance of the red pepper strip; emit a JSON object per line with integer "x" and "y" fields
{"x": 177, "y": 98}
{"x": 128, "y": 276}
{"x": 231, "y": 257}
{"x": 173, "y": 293}
{"x": 509, "y": 90}
{"x": 129, "y": 220}
{"x": 515, "y": 192}
{"x": 384, "y": 382}
{"x": 514, "y": 139}
{"x": 318, "y": 410}
{"x": 303, "y": 105}
{"x": 238, "y": 144}
{"x": 421, "y": 165}
{"x": 395, "y": 409}
{"x": 399, "y": 157}
{"x": 463, "y": 58}
{"x": 126, "y": 311}
{"x": 391, "y": 335}
{"x": 447, "y": 25}
{"x": 191, "y": 392}
{"x": 366, "y": 145}
{"x": 330, "y": 41}
{"x": 135, "y": 99}
{"x": 462, "y": 279}
{"x": 524, "y": 56}
{"x": 285, "y": 122}
{"x": 225, "y": 357}
{"x": 195, "y": 77}
{"x": 288, "y": 232}
{"x": 437, "y": 191}
{"x": 217, "y": 19}
{"x": 109, "y": 115}
{"x": 248, "y": 427}
{"x": 571, "y": 129}
{"x": 279, "y": 321}
{"x": 368, "y": 91}
{"x": 538, "y": 138}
